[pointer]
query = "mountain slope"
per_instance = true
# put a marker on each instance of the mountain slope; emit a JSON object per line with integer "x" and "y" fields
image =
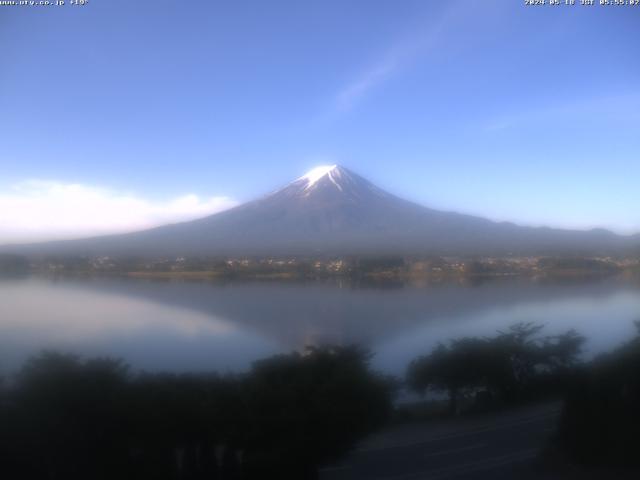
{"x": 332, "y": 210}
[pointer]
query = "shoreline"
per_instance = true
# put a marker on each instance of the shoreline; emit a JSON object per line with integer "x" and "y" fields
{"x": 370, "y": 277}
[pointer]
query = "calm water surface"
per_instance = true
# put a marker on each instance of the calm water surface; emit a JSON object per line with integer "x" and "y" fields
{"x": 179, "y": 326}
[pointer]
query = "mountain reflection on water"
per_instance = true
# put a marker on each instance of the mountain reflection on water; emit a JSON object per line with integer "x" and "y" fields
{"x": 177, "y": 325}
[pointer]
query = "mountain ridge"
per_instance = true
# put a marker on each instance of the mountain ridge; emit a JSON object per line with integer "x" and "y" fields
{"x": 332, "y": 210}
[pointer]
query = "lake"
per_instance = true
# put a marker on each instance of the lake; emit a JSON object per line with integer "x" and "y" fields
{"x": 196, "y": 326}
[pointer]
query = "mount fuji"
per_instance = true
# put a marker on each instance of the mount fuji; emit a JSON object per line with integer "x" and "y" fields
{"x": 332, "y": 210}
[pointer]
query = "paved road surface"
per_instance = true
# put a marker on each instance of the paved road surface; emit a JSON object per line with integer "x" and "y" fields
{"x": 493, "y": 446}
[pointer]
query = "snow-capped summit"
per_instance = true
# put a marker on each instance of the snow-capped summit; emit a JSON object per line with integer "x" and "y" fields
{"x": 312, "y": 176}
{"x": 330, "y": 183}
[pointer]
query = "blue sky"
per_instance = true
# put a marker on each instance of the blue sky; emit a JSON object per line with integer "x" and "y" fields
{"x": 163, "y": 110}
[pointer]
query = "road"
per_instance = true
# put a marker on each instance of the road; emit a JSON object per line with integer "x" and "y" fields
{"x": 495, "y": 446}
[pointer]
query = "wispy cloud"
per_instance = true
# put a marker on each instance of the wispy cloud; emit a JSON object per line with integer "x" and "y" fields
{"x": 400, "y": 55}
{"x": 37, "y": 210}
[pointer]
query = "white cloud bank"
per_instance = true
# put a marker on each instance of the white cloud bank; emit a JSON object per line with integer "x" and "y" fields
{"x": 38, "y": 210}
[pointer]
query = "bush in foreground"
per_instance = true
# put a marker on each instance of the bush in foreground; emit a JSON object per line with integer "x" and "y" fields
{"x": 600, "y": 423}
{"x": 66, "y": 418}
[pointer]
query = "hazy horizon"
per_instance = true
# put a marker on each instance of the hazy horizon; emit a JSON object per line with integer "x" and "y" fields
{"x": 178, "y": 211}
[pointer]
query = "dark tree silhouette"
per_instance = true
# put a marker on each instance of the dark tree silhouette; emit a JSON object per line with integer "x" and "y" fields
{"x": 65, "y": 418}
{"x": 600, "y": 423}
{"x": 510, "y": 365}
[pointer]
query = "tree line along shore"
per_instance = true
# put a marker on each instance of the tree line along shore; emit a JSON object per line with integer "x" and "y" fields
{"x": 287, "y": 268}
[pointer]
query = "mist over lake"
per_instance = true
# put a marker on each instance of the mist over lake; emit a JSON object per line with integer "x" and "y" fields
{"x": 197, "y": 326}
